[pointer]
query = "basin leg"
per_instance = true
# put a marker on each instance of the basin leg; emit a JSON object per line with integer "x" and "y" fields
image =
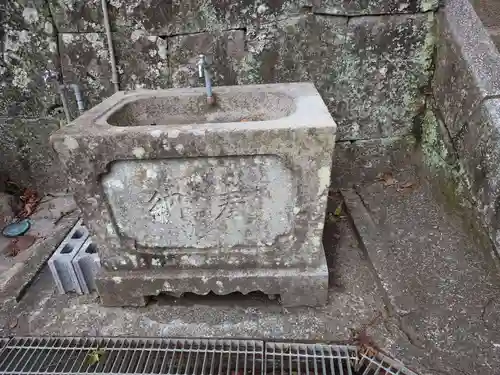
{"x": 312, "y": 291}
{"x": 296, "y": 287}
{"x": 114, "y": 294}
{"x": 120, "y": 300}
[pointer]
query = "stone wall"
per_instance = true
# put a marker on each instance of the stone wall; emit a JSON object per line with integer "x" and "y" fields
{"x": 370, "y": 59}
{"x": 461, "y": 131}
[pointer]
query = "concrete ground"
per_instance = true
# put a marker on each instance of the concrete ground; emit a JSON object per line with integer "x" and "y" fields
{"x": 402, "y": 269}
{"x": 489, "y": 13}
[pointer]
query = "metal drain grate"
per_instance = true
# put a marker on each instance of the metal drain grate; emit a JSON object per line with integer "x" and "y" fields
{"x": 98, "y": 355}
{"x": 308, "y": 359}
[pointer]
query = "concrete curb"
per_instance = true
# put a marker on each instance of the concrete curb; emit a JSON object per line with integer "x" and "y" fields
{"x": 368, "y": 236}
{"x": 16, "y": 286}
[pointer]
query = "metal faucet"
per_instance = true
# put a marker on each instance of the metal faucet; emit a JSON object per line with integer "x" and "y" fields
{"x": 204, "y": 71}
{"x": 53, "y": 76}
{"x": 50, "y": 75}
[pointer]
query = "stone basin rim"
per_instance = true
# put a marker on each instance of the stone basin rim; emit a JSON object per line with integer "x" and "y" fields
{"x": 164, "y": 109}
{"x": 304, "y": 96}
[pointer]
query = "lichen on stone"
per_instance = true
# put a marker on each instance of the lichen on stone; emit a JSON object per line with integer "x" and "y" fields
{"x": 29, "y": 48}
{"x": 223, "y": 49}
{"x": 85, "y": 62}
{"x": 386, "y": 65}
{"x": 368, "y": 7}
{"x": 441, "y": 160}
{"x": 143, "y": 59}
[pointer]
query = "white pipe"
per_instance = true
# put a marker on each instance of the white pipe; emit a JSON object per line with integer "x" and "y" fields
{"x": 112, "y": 58}
{"x": 78, "y": 97}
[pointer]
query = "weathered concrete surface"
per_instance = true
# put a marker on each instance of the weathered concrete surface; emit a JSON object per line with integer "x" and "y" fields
{"x": 26, "y": 56}
{"x": 27, "y": 157}
{"x": 29, "y": 107}
{"x": 436, "y": 144}
{"x": 467, "y": 64}
{"x": 441, "y": 164}
{"x": 371, "y": 7}
{"x": 85, "y": 61}
{"x": 489, "y": 13}
{"x": 29, "y": 47}
{"x": 175, "y": 17}
{"x": 29, "y": 15}
{"x": 77, "y": 16}
{"x": 50, "y": 223}
{"x": 224, "y": 49}
{"x": 455, "y": 330}
{"x": 142, "y": 62}
{"x": 189, "y": 16}
{"x": 303, "y": 48}
{"x": 437, "y": 280}
{"x": 478, "y": 147}
{"x": 386, "y": 66}
{"x": 343, "y": 61}
{"x": 365, "y": 160}
{"x": 306, "y": 48}
{"x": 354, "y": 300}
{"x": 460, "y": 141}
{"x": 192, "y": 16}
{"x": 202, "y": 209}
{"x": 86, "y": 16}
{"x": 294, "y": 286}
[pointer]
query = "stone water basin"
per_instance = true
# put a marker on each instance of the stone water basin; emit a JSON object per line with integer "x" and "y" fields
{"x": 191, "y": 108}
{"x": 185, "y": 197}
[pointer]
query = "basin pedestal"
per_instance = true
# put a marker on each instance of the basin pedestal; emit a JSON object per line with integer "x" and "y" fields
{"x": 182, "y": 197}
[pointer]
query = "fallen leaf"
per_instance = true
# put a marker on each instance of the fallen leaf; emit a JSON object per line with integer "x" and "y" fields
{"x": 19, "y": 244}
{"x": 338, "y": 211}
{"x": 94, "y": 356}
{"x": 406, "y": 185}
{"x": 13, "y": 323}
{"x": 387, "y": 178}
{"x": 30, "y": 202}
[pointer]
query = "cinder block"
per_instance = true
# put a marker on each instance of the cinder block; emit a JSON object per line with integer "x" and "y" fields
{"x": 60, "y": 263}
{"x": 86, "y": 264}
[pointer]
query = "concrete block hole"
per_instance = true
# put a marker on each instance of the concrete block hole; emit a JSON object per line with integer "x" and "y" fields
{"x": 91, "y": 249}
{"x": 78, "y": 234}
{"x": 68, "y": 248}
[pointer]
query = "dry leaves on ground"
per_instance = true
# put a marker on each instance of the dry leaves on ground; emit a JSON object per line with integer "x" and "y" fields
{"x": 19, "y": 244}
{"x": 30, "y": 202}
{"x": 388, "y": 180}
{"x": 363, "y": 340}
{"x": 406, "y": 185}
{"x": 13, "y": 323}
